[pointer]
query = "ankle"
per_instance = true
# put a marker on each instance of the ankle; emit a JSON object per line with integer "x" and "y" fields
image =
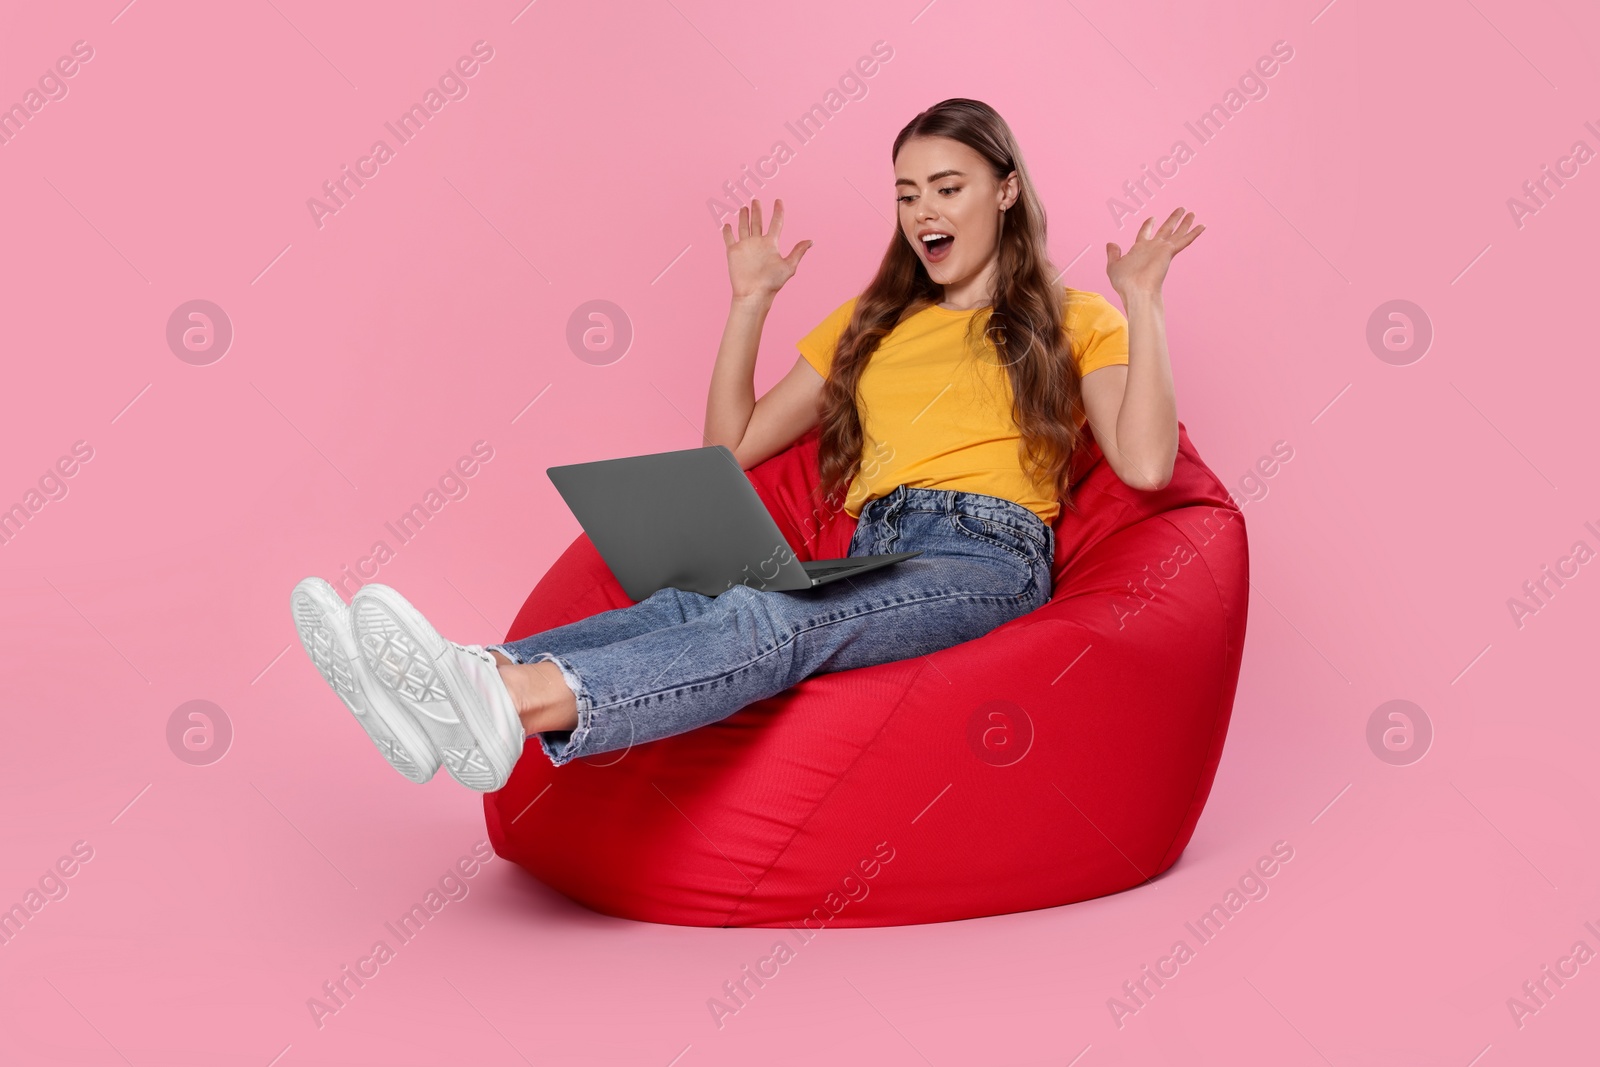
{"x": 541, "y": 696}
{"x": 516, "y": 682}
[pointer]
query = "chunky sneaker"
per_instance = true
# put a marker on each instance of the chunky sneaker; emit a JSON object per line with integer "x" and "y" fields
{"x": 454, "y": 692}
{"x": 323, "y": 622}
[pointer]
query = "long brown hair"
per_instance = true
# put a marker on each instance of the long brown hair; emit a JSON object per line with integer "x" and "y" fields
{"x": 1025, "y": 323}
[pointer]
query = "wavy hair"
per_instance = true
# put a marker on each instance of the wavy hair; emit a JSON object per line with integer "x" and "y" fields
{"x": 1025, "y": 324}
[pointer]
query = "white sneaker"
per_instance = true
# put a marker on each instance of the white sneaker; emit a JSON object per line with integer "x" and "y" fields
{"x": 323, "y": 623}
{"x": 454, "y": 692}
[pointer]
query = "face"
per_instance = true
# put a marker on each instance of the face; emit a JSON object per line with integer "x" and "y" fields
{"x": 944, "y": 187}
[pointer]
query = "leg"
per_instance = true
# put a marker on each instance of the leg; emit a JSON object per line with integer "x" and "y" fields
{"x": 748, "y": 644}
{"x": 542, "y": 696}
{"x": 665, "y": 607}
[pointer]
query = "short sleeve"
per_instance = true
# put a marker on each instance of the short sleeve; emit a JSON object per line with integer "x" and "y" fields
{"x": 1098, "y": 330}
{"x": 818, "y": 345}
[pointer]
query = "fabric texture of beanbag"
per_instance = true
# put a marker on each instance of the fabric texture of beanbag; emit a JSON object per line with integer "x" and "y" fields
{"x": 1063, "y": 756}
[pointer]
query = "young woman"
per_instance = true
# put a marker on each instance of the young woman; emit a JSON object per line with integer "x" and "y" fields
{"x": 951, "y": 395}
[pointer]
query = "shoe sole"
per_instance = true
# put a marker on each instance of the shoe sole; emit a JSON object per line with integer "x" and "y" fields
{"x": 407, "y": 655}
{"x": 325, "y": 634}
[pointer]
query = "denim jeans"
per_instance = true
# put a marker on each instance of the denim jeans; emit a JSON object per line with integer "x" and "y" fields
{"x": 677, "y": 660}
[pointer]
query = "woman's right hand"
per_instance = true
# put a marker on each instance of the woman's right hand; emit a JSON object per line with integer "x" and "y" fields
{"x": 754, "y": 266}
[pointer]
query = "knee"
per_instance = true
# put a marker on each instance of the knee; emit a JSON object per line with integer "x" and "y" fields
{"x": 736, "y": 598}
{"x": 761, "y": 609}
{"x": 688, "y": 605}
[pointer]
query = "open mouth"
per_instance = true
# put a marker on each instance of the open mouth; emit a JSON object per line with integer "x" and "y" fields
{"x": 937, "y": 247}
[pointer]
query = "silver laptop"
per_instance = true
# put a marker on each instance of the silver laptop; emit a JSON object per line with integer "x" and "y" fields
{"x": 690, "y": 519}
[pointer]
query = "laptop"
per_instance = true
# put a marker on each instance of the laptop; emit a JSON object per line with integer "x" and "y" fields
{"x": 690, "y": 519}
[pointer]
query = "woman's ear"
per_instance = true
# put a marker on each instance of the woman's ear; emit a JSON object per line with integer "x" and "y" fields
{"x": 1010, "y": 189}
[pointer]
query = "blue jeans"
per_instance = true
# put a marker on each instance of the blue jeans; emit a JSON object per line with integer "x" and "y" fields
{"x": 677, "y": 660}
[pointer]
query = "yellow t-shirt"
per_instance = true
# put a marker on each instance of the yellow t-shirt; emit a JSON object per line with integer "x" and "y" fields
{"x": 937, "y": 415}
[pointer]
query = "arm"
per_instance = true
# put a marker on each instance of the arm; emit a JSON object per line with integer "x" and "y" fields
{"x": 731, "y": 398}
{"x": 1133, "y": 410}
{"x": 755, "y": 431}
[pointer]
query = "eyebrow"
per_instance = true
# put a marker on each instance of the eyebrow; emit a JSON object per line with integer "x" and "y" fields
{"x": 931, "y": 178}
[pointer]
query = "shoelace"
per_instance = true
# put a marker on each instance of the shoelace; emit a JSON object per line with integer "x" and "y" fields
{"x": 475, "y": 651}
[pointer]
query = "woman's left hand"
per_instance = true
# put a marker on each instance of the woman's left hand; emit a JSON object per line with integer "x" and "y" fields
{"x": 1144, "y": 268}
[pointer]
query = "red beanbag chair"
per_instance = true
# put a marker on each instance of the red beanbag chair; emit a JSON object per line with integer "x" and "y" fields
{"x": 1062, "y": 756}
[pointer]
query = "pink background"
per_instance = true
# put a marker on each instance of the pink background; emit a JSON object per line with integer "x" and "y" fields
{"x": 432, "y": 310}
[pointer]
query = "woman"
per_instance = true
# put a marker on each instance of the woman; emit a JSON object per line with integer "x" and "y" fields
{"x": 951, "y": 395}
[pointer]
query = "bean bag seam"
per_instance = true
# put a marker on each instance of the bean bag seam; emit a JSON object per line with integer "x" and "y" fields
{"x": 1113, "y": 528}
{"x": 1227, "y": 648}
{"x": 837, "y": 782}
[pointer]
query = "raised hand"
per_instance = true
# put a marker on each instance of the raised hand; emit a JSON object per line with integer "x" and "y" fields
{"x": 754, "y": 266}
{"x": 1144, "y": 267}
